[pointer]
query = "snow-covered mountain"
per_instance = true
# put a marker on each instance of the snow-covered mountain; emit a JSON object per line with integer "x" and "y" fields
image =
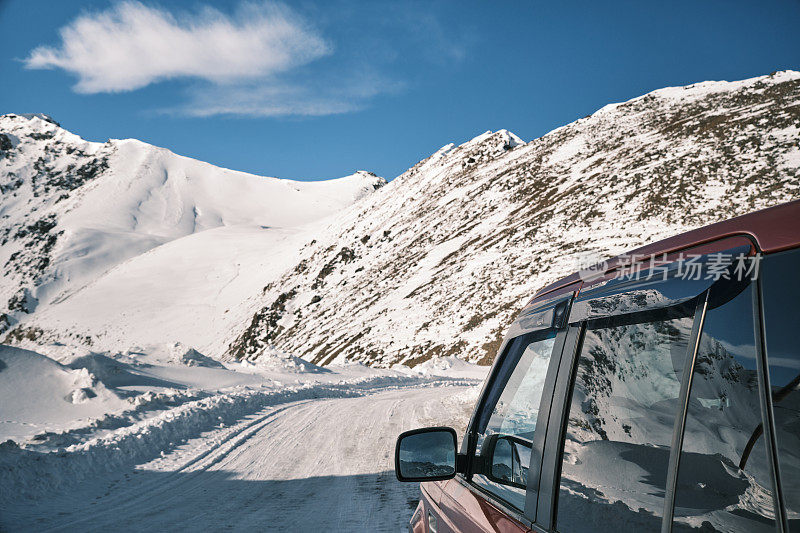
{"x": 94, "y": 233}
{"x": 133, "y": 245}
{"x": 439, "y": 260}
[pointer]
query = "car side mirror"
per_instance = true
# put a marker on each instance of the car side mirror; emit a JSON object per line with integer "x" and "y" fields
{"x": 427, "y": 454}
{"x": 507, "y": 460}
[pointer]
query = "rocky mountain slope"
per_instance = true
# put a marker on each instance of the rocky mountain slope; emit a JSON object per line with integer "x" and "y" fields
{"x": 439, "y": 261}
{"x": 435, "y": 263}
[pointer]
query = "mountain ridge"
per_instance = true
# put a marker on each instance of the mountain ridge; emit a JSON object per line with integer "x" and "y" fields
{"x": 437, "y": 261}
{"x": 518, "y": 217}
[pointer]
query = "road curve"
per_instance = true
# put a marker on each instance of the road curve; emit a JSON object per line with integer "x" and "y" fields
{"x": 324, "y": 464}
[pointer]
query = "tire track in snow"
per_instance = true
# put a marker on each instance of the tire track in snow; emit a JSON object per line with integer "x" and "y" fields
{"x": 316, "y": 463}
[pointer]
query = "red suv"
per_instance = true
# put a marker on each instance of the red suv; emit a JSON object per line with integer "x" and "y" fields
{"x": 657, "y": 391}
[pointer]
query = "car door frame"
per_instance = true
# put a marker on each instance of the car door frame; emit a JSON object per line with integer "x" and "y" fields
{"x": 498, "y": 373}
{"x": 767, "y": 410}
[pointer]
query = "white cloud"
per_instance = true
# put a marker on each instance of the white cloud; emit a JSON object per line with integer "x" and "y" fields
{"x": 133, "y": 45}
{"x": 261, "y": 60}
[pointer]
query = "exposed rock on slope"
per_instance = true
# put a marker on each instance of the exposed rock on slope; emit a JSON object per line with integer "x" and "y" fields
{"x": 438, "y": 261}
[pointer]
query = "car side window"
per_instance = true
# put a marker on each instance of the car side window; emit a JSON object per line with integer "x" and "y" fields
{"x": 781, "y": 286}
{"x": 724, "y": 480}
{"x": 622, "y": 411}
{"x": 512, "y": 417}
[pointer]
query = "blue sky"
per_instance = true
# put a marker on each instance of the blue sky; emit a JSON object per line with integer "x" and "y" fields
{"x": 315, "y": 90}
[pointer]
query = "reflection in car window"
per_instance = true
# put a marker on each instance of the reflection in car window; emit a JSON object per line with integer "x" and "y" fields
{"x": 782, "y": 323}
{"x": 515, "y": 413}
{"x": 616, "y": 449}
{"x": 713, "y": 493}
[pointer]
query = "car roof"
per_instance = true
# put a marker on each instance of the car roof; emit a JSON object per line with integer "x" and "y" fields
{"x": 773, "y": 230}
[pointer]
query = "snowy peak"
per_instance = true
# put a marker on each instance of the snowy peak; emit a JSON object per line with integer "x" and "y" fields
{"x": 502, "y": 138}
{"x": 485, "y": 146}
{"x": 72, "y": 210}
{"x": 42, "y": 116}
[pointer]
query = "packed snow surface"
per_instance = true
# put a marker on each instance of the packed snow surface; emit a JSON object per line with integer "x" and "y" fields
{"x": 37, "y": 393}
{"x": 280, "y": 445}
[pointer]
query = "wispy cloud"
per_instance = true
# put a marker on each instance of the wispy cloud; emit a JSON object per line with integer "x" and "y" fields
{"x": 133, "y": 45}
{"x": 259, "y": 100}
{"x": 318, "y": 96}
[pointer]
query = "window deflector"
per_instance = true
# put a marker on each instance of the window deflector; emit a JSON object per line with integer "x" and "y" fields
{"x": 663, "y": 286}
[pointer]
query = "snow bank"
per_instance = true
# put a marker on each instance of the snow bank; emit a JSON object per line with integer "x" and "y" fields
{"x": 275, "y": 360}
{"x": 449, "y": 366}
{"x": 37, "y": 393}
{"x": 188, "y": 356}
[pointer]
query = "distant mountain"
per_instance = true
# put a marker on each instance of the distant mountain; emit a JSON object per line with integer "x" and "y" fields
{"x": 79, "y": 219}
{"x": 122, "y": 243}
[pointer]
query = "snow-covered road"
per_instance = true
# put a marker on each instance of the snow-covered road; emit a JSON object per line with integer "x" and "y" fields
{"x": 314, "y": 464}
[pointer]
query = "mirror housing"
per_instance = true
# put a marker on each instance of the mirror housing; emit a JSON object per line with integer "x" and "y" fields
{"x": 427, "y": 454}
{"x": 506, "y": 460}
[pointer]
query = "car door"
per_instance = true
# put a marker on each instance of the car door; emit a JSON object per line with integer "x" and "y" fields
{"x": 511, "y": 414}
{"x": 464, "y": 509}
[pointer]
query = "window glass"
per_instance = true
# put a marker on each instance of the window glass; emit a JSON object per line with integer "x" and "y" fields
{"x": 514, "y": 415}
{"x": 724, "y": 483}
{"x": 781, "y": 286}
{"x": 621, "y": 417}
